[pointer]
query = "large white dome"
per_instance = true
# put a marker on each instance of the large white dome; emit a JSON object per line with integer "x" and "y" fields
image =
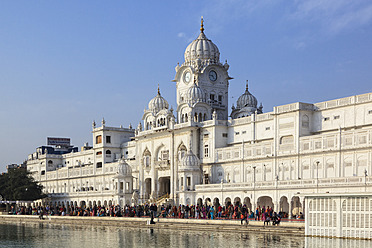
{"x": 202, "y": 48}
{"x": 246, "y": 100}
{"x": 158, "y": 103}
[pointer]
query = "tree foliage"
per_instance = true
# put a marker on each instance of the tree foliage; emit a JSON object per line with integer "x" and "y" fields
{"x": 18, "y": 184}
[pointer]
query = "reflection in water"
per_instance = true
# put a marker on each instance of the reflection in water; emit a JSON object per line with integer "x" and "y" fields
{"x": 311, "y": 242}
{"x": 52, "y": 235}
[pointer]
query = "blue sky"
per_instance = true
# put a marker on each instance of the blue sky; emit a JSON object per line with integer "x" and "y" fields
{"x": 64, "y": 64}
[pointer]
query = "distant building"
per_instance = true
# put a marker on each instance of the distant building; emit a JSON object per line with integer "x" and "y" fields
{"x": 195, "y": 154}
{"x": 16, "y": 166}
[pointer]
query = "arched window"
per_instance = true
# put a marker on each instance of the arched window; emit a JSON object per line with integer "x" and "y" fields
{"x": 50, "y": 163}
{"x": 99, "y": 153}
{"x": 205, "y": 117}
{"x": 99, "y": 139}
{"x": 200, "y": 117}
{"x": 108, "y": 152}
{"x": 305, "y": 121}
{"x": 147, "y": 158}
{"x": 181, "y": 151}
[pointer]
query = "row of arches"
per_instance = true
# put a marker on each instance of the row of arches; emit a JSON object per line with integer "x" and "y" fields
{"x": 82, "y": 204}
{"x": 197, "y": 117}
{"x": 292, "y": 207}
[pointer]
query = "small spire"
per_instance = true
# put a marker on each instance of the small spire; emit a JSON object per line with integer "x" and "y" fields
{"x": 158, "y": 90}
{"x": 246, "y": 87}
{"x": 202, "y": 25}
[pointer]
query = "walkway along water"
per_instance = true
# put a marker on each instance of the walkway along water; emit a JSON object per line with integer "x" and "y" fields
{"x": 292, "y": 228}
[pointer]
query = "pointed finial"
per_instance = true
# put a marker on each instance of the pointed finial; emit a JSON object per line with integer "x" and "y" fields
{"x": 158, "y": 90}
{"x": 246, "y": 87}
{"x": 202, "y": 25}
{"x": 103, "y": 122}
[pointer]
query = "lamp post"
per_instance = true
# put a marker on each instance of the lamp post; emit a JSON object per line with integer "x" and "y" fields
{"x": 283, "y": 171}
{"x": 365, "y": 180}
{"x": 223, "y": 202}
{"x": 254, "y": 183}
{"x": 317, "y": 175}
{"x": 254, "y": 175}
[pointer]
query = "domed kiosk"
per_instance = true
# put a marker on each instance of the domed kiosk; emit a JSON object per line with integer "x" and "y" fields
{"x": 246, "y": 105}
{"x": 158, "y": 114}
{"x": 123, "y": 182}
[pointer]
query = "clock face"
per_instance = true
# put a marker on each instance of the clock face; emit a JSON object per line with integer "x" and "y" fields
{"x": 212, "y": 76}
{"x": 187, "y": 77}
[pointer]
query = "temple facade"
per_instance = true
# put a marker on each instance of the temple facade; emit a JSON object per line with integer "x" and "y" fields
{"x": 202, "y": 152}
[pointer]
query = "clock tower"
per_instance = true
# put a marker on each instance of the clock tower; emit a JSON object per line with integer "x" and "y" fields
{"x": 202, "y": 82}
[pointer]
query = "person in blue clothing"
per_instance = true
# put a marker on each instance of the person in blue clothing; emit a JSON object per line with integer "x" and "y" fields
{"x": 211, "y": 211}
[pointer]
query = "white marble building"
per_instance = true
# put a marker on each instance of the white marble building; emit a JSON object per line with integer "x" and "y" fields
{"x": 196, "y": 153}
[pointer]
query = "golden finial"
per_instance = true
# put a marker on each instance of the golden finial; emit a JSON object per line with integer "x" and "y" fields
{"x": 158, "y": 90}
{"x": 202, "y": 25}
{"x": 246, "y": 87}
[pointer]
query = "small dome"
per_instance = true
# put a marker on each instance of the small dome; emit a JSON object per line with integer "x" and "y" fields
{"x": 158, "y": 103}
{"x": 202, "y": 48}
{"x": 246, "y": 100}
{"x": 195, "y": 94}
{"x": 124, "y": 168}
{"x": 190, "y": 160}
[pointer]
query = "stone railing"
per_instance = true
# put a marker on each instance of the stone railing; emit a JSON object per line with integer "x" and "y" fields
{"x": 344, "y": 101}
{"x": 288, "y": 184}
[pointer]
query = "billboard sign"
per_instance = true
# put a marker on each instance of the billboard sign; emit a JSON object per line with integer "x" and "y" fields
{"x": 58, "y": 141}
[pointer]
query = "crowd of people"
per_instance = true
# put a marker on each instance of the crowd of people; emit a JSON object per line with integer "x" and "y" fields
{"x": 230, "y": 212}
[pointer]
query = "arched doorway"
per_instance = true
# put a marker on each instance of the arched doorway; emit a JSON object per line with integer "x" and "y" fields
{"x": 248, "y": 204}
{"x": 200, "y": 201}
{"x": 208, "y": 201}
{"x": 296, "y": 207}
{"x": 265, "y": 201}
{"x": 237, "y": 201}
{"x": 164, "y": 186}
{"x": 216, "y": 202}
{"x": 284, "y": 205}
{"x": 227, "y": 201}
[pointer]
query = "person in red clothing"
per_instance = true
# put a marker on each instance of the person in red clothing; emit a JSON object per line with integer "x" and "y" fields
{"x": 219, "y": 211}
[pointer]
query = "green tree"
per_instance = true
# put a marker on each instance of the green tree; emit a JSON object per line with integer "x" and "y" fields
{"x": 18, "y": 184}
